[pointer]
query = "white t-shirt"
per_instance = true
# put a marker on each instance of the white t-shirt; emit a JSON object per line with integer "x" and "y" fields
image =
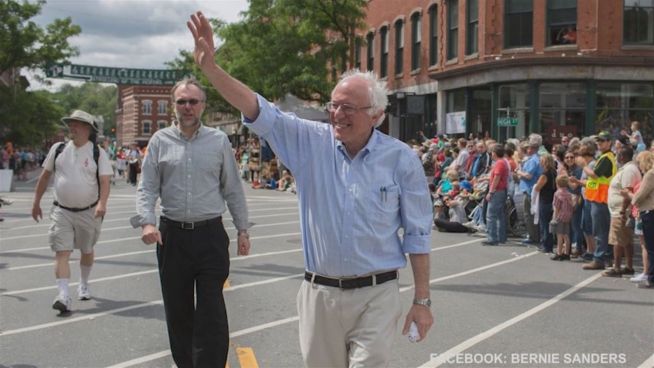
{"x": 75, "y": 184}
{"x": 626, "y": 177}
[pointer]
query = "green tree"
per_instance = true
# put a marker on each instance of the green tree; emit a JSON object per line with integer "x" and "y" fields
{"x": 23, "y": 44}
{"x": 93, "y": 98}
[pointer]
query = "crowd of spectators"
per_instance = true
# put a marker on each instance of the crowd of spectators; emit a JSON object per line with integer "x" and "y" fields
{"x": 261, "y": 168}
{"x": 588, "y": 199}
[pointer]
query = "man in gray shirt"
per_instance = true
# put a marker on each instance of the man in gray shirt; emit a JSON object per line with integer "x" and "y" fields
{"x": 192, "y": 168}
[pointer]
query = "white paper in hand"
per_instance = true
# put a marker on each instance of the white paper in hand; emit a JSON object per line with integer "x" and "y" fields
{"x": 414, "y": 336}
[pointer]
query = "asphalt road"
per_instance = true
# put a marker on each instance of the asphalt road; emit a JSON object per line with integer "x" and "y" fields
{"x": 506, "y": 306}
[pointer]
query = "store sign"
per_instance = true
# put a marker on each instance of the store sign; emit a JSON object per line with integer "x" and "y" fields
{"x": 103, "y": 74}
{"x": 507, "y": 122}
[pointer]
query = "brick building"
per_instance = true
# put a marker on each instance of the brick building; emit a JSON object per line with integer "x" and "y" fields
{"x": 142, "y": 110}
{"x": 550, "y": 66}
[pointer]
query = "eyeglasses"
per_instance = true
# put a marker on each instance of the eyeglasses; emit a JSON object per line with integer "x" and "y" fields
{"x": 191, "y": 102}
{"x": 345, "y": 108}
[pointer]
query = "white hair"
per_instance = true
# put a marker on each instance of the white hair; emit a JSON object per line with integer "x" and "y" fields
{"x": 535, "y": 140}
{"x": 377, "y": 92}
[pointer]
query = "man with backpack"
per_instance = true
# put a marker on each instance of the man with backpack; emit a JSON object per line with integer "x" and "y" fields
{"x": 81, "y": 188}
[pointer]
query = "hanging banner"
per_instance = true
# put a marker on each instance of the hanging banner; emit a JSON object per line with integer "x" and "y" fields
{"x": 104, "y": 74}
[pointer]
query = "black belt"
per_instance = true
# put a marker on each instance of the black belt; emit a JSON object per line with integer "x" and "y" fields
{"x": 353, "y": 283}
{"x": 192, "y": 225}
{"x": 75, "y": 209}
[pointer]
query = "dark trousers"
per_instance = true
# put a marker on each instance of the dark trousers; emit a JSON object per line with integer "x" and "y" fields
{"x": 132, "y": 173}
{"x": 648, "y": 233}
{"x": 195, "y": 261}
{"x": 545, "y": 212}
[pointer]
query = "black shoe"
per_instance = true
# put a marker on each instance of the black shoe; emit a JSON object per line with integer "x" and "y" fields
{"x": 564, "y": 257}
{"x": 556, "y": 257}
{"x": 488, "y": 243}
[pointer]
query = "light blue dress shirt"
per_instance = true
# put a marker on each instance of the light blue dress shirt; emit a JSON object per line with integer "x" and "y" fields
{"x": 351, "y": 210}
{"x": 531, "y": 166}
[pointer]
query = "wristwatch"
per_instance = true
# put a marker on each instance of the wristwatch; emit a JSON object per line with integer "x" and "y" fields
{"x": 423, "y": 301}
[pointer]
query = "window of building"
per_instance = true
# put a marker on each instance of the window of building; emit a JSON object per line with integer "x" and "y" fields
{"x": 562, "y": 110}
{"x": 518, "y": 23}
{"x": 433, "y": 35}
{"x": 162, "y": 124}
{"x": 162, "y": 107}
{"x": 383, "y": 68}
{"x": 472, "y": 33}
{"x": 146, "y": 107}
{"x": 357, "y": 53}
{"x": 416, "y": 40}
{"x": 513, "y": 103}
{"x": 146, "y": 127}
{"x": 638, "y": 22}
{"x": 455, "y": 112}
{"x": 618, "y": 104}
{"x": 370, "y": 40}
{"x": 452, "y": 29}
{"x": 562, "y": 22}
{"x": 399, "y": 46}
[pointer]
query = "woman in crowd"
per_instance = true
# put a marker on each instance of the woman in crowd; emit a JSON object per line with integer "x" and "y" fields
{"x": 643, "y": 200}
{"x": 546, "y": 186}
{"x": 586, "y": 158}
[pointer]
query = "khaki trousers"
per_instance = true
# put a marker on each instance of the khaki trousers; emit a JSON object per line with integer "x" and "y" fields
{"x": 348, "y": 328}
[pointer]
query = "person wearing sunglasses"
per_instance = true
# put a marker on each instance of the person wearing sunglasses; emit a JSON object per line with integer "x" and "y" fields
{"x": 192, "y": 169}
{"x": 357, "y": 187}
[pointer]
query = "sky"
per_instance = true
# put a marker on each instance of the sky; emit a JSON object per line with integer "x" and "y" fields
{"x": 131, "y": 33}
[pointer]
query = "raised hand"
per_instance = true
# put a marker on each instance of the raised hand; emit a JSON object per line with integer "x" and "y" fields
{"x": 203, "y": 37}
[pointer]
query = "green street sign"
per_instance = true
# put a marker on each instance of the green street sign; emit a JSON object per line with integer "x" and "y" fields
{"x": 507, "y": 122}
{"x": 115, "y": 75}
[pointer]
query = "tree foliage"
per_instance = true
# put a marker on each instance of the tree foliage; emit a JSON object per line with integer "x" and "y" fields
{"x": 28, "y": 117}
{"x": 287, "y": 46}
{"x": 23, "y": 44}
{"x": 93, "y": 98}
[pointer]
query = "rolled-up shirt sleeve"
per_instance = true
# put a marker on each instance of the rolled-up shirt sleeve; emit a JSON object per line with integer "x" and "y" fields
{"x": 415, "y": 207}
{"x": 149, "y": 187}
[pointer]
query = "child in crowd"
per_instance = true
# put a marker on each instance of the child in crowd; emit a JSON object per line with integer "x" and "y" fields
{"x": 563, "y": 209}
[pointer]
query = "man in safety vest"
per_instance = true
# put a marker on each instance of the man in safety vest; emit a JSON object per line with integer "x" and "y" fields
{"x": 597, "y": 192}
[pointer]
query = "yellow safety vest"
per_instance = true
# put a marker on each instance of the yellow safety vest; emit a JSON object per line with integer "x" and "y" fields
{"x": 597, "y": 189}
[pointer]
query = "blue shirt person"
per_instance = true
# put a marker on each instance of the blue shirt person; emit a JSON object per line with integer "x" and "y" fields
{"x": 357, "y": 188}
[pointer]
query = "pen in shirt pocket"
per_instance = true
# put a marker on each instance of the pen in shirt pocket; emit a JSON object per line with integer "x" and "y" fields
{"x": 382, "y": 192}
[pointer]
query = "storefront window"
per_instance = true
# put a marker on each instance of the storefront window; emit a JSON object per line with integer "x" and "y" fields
{"x": 618, "y": 104}
{"x": 455, "y": 117}
{"x": 480, "y": 112}
{"x": 562, "y": 110}
{"x": 513, "y": 105}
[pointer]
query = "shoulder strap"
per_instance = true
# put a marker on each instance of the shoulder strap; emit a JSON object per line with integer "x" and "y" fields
{"x": 96, "y": 158}
{"x": 58, "y": 151}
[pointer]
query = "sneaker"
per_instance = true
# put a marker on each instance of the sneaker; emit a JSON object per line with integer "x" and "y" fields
{"x": 83, "y": 292}
{"x": 564, "y": 257}
{"x": 646, "y": 284}
{"x": 639, "y": 278}
{"x": 556, "y": 257}
{"x": 62, "y": 304}
{"x": 594, "y": 265}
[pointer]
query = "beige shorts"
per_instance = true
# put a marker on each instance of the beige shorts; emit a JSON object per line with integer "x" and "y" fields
{"x": 620, "y": 234}
{"x": 73, "y": 230}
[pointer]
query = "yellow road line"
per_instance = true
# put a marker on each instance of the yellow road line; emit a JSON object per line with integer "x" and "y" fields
{"x": 246, "y": 358}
